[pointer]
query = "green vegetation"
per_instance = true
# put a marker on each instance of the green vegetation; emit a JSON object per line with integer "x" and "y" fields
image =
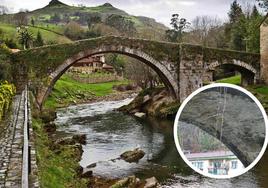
{"x": 56, "y": 169}
{"x": 231, "y": 80}
{"x": 260, "y": 91}
{"x": 5, "y": 66}
{"x": 10, "y": 31}
{"x": 68, "y": 91}
{"x": 7, "y": 91}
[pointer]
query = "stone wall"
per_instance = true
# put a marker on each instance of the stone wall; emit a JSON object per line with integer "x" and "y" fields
{"x": 264, "y": 51}
{"x": 97, "y": 79}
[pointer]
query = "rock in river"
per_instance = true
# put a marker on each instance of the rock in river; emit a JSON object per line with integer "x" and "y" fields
{"x": 87, "y": 174}
{"x": 151, "y": 182}
{"x": 93, "y": 165}
{"x": 81, "y": 139}
{"x": 132, "y": 156}
{"x": 140, "y": 114}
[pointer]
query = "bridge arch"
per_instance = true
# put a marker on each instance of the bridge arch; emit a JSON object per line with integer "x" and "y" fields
{"x": 159, "y": 67}
{"x": 249, "y": 74}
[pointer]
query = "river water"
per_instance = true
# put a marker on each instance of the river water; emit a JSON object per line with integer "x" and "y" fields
{"x": 110, "y": 133}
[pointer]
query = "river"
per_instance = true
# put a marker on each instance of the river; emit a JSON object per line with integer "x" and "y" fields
{"x": 110, "y": 133}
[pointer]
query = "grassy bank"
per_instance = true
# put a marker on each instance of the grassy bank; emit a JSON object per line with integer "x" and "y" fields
{"x": 231, "y": 80}
{"x": 56, "y": 169}
{"x": 68, "y": 91}
{"x": 260, "y": 91}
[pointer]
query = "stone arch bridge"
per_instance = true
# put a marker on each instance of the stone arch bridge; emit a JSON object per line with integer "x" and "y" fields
{"x": 182, "y": 67}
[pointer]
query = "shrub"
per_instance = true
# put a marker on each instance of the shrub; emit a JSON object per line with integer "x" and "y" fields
{"x": 7, "y": 91}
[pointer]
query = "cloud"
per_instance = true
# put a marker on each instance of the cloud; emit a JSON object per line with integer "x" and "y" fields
{"x": 187, "y": 3}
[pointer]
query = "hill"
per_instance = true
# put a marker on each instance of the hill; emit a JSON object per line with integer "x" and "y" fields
{"x": 56, "y": 17}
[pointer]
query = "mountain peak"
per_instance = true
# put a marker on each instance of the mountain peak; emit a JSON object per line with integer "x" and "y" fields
{"x": 55, "y": 3}
{"x": 107, "y": 5}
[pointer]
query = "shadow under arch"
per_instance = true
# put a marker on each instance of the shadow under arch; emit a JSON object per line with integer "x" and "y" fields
{"x": 249, "y": 74}
{"x": 165, "y": 75}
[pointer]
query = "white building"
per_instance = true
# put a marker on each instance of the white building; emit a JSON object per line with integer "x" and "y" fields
{"x": 216, "y": 162}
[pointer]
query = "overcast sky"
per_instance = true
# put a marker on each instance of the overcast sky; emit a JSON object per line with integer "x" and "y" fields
{"x": 161, "y": 10}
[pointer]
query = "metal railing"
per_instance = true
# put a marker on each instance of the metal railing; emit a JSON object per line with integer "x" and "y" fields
{"x": 26, "y": 150}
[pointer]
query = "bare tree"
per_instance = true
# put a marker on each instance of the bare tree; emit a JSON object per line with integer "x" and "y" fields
{"x": 203, "y": 27}
{"x": 3, "y": 10}
{"x": 142, "y": 74}
{"x": 21, "y": 19}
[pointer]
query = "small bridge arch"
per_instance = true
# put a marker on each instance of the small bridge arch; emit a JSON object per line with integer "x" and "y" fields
{"x": 249, "y": 74}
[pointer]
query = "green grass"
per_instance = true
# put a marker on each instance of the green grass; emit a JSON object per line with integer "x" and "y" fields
{"x": 52, "y": 27}
{"x": 10, "y": 31}
{"x": 231, "y": 80}
{"x": 68, "y": 91}
{"x": 260, "y": 91}
{"x": 55, "y": 170}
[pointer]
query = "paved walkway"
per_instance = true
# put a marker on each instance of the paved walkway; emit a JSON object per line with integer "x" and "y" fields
{"x": 11, "y": 144}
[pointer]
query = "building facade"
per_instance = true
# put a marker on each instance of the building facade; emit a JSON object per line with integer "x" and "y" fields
{"x": 216, "y": 162}
{"x": 91, "y": 64}
{"x": 264, "y": 50}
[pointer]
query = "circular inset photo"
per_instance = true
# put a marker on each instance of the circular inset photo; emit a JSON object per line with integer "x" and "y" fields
{"x": 220, "y": 131}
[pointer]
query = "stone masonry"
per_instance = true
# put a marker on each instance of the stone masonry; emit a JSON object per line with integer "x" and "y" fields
{"x": 264, "y": 50}
{"x": 11, "y": 141}
{"x": 181, "y": 67}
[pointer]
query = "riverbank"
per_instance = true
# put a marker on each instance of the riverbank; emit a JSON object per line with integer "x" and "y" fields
{"x": 155, "y": 102}
{"x": 56, "y": 167}
{"x": 68, "y": 91}
{"x": 59, "y": 164}
{"x": 61, "y": 168}
{"x": 158, "y": 103}
{"x": 59, "y": 152}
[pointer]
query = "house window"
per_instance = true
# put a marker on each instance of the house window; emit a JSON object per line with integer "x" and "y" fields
{"x": 198, "y": 165}
{"x": 234, "y": 164}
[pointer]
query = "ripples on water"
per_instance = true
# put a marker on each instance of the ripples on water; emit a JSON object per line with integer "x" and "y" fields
{"x": 110, "y": 133}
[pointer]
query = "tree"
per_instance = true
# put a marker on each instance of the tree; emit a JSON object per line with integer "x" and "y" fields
{"x": 3, "y": 10}
{"x": 235, "y": 13}
{"x": 74, "y": 31}
{"x": 39, "y": 40}
{"x": 141, "y": 74}
{"x": 253, "y": 31}
{"x": 263, "y": 4}
{"x": 205, "y": 30}
{"x": 124, "y": 25}
{"x": 92, "y": 20}
{"x": 178, "y": 26}
{"x": 117, "y": 61}
{"x": 32, "y": 21}
{"x": 21, "y": 19}
{"x": 25, "y": 38}
{"x": 237, "y": 28}
{"x": 55, "y": 18}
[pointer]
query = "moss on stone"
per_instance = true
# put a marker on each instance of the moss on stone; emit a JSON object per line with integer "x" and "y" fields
{"x": 191, "y": 52}
{"x": 168, "y": 110}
